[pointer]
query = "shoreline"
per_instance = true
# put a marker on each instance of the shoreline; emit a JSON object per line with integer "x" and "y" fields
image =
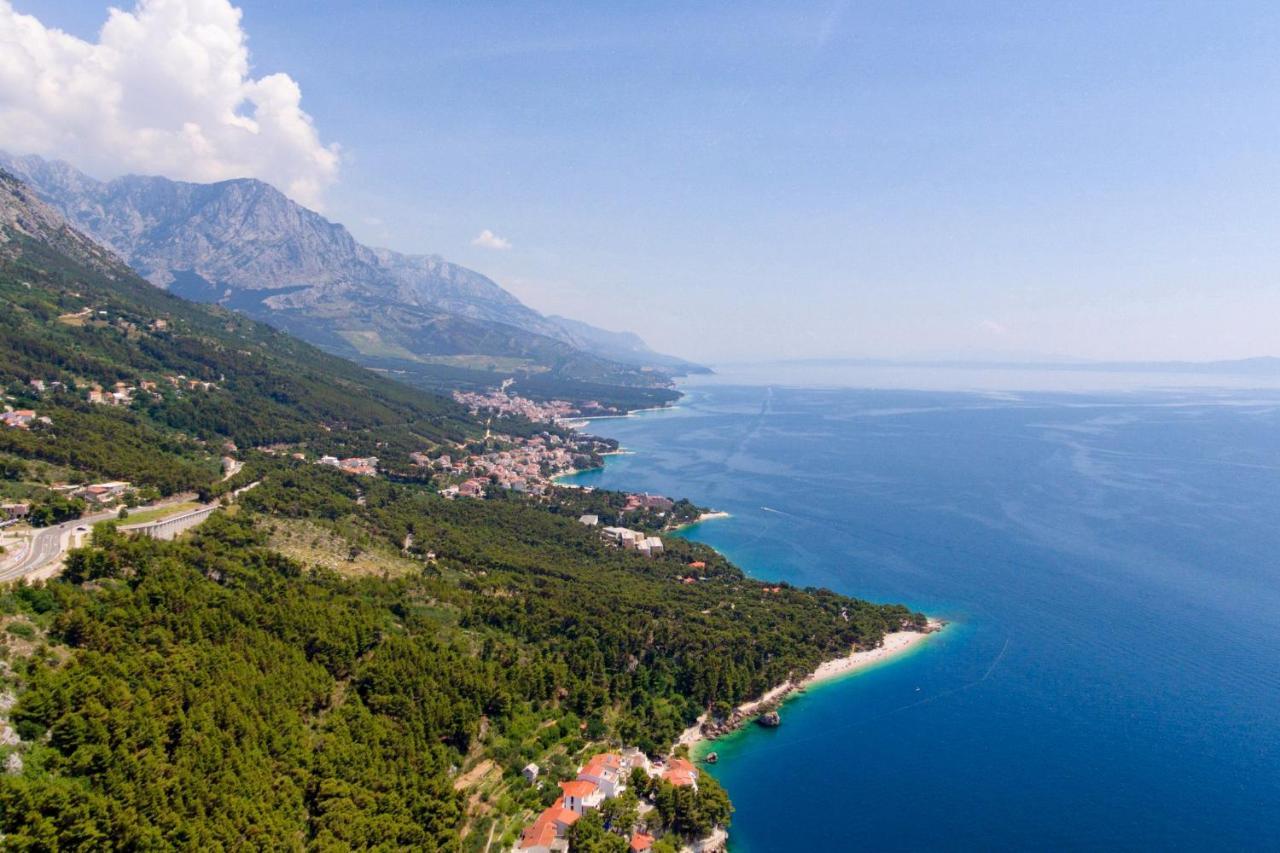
{"x": 894, "y": 645}
{"x": 709, "y": 515}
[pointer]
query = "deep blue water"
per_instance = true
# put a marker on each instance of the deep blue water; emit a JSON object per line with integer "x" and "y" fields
{"x": 1111, "y": 564}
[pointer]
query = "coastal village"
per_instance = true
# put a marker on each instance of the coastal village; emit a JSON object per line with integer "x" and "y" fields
{"x": 498, "y": 402}
{"x": 605, "y": 776}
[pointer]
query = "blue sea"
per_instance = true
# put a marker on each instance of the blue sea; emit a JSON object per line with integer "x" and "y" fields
{"x": 1110, "y": 565}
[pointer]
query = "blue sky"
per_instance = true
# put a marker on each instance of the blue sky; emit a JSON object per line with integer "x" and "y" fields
{"x": 890, "y": 179}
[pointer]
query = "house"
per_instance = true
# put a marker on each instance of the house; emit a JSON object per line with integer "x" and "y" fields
{"x": 15, "y": 510}
{"x": 589, "y": 520}
{"x": 366, "y": 466}
{"x": 657, "y": 502}
{"x": 605, "y": 772}
{"x": 530, "y": 772}
{"x": 697, "y": 564}
{"x": 633, "y": 758}
{"x": 328, "y": 460}
{"x": 655, "y": 545}
{"x": 641, "y": 842}
{"x": 581, "y": 794}
{"x": 548, "y": 832}
{"x": 38, "y": 385}
{"x": 472, "y": 488}
{"x": 681, "y": 773}
{"x": 449, "y": 492}
{"x": 102, "y": 493}
{"x": 19, "y": 418}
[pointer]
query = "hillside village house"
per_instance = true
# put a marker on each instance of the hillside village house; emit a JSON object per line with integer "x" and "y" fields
{"x": 104, "y": 493}
{"x": 581, "y": 794}
{"x": 680, "y": 772}
{"x": 18, "y": 418}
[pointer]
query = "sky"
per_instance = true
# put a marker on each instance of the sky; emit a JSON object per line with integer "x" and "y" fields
{"x": 731, "y": 181}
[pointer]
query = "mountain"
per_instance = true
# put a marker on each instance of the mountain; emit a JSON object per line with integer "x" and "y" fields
{"x": 624, "y": 347}
{"x": 72, "y": 316}
{"x": 243, "y": 244}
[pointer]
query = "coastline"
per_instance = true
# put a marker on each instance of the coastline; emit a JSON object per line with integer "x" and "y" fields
{"x": 894, "y": 645}
{"x": 709, "y": 515}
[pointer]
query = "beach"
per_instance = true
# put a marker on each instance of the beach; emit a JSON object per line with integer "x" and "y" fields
{"x": 894, "y": 644}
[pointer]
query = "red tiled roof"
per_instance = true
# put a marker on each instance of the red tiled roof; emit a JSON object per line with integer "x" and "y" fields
{"x": 601, "y": 762}
{"x": 680, "y": 773}
{"x": 541, "y": 833}
{"x": 568, "y": 817}
{"x": 578, "y": 788}
{"x": 641, "y": 842}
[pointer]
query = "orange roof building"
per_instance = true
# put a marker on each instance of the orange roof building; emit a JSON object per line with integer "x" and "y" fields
{"x": 641, "y": 842}
{"x": 581, "y": 794}
{"x": 681, "y": 773}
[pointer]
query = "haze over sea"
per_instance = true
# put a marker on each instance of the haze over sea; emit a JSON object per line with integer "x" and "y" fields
{"x": 1109, "y": 562}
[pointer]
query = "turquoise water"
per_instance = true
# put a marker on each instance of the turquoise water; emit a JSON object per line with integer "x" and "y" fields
{"x": 1112, "y": 676}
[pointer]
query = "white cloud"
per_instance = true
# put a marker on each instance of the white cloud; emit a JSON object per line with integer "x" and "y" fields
{"x": 993, "y": 327}
{"x": 486, "y": 239}
{"x": 164, "y": 90}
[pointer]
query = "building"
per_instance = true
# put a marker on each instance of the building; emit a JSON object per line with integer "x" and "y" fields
{"x": 365, "y": 466}
{"x": 655, "y": 545}
{"x": 104, "y": 493}
{"x": 19, "y": 418}
{"x": 471, "y": 489}
{"x": 15, "y": 510}
{"x": 581, "y": 794}
{"x": 681, "y": 773}
{"x": 548, "y": 832}
{"x": 605, "y": 772}
{"x": 530, "y": 772}
{"x": 589, "y": 520}
{"x": 641, "y": 842}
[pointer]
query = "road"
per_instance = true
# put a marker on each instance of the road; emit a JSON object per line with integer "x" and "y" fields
{"x": 48, "y": 544}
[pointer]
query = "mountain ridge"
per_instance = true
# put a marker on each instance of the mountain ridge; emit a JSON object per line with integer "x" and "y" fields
{"x": 243, "y": 243}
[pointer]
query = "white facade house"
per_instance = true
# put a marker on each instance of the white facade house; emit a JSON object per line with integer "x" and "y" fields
{"x": 581, "y": 794}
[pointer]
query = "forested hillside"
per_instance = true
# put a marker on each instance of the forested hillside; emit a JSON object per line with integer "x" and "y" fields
{"x": 332, "y": 662}
{"x": 211, "y": 690}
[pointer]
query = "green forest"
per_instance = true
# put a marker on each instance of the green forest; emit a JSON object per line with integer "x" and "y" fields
{"x": 326, "y": 662}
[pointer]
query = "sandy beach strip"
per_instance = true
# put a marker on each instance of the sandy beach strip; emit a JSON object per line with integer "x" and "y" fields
{"x": 894, "y": 644}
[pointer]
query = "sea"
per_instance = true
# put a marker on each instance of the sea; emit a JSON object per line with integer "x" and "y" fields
{"x": 1108, "y": 561}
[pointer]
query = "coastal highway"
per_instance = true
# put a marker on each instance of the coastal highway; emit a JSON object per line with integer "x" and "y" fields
{"x": 47, "y": 545}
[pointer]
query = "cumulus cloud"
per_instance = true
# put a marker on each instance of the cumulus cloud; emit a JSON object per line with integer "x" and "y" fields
{"x": 166, "y": 90}
{"x": 486, "y": 239}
